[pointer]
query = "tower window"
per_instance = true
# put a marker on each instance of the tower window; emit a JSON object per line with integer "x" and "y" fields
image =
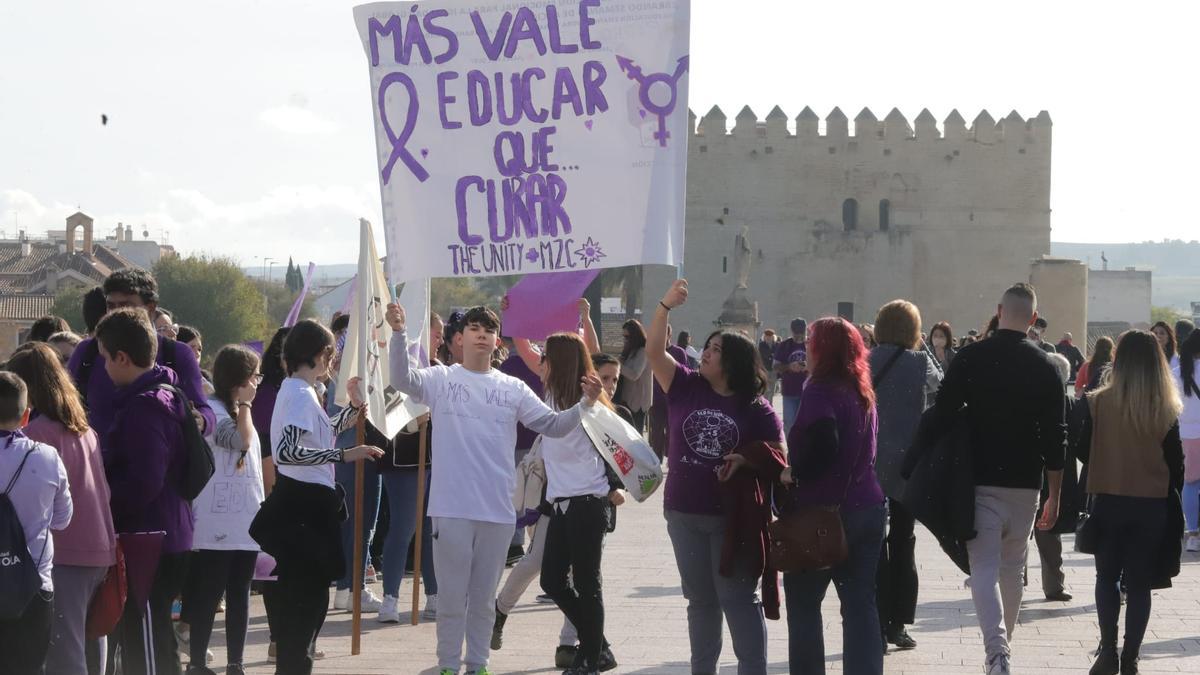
{"x": 885, "y": 215}
{"x": 850, "y": 214}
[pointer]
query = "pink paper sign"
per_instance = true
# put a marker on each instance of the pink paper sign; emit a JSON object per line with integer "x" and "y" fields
{"x": 542, "y": 304}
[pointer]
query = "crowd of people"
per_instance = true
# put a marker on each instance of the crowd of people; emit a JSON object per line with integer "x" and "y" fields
{"x": 99, "y": 435}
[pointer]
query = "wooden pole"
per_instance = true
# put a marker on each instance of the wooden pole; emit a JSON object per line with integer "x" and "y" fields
{"x": 421, "y": 459}
{"x": 356, "y": 576}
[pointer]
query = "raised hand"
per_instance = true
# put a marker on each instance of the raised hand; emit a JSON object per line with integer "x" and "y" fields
{"x": 592, "y": 386}
{"x": 395, "y": 316}
{"x": 676, "y": 295}
{"x": 584, "y": 307}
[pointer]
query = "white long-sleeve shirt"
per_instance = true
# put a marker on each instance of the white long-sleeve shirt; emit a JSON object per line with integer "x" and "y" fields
{"x": 41, "y": 496}
{"x": 475, "y": 419}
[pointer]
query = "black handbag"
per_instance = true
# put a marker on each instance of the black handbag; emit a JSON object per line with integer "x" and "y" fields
{"x": 1085, "y": 532}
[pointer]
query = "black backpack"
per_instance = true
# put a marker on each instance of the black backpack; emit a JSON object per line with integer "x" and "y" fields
{"x": 199, "y": 465}
{"x": 18, "y": 571}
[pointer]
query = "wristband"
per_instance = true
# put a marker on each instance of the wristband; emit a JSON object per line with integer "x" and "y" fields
{"x": 664, "y": 305}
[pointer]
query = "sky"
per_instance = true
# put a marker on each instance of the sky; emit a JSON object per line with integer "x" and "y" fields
{"x": 244, "y": 128}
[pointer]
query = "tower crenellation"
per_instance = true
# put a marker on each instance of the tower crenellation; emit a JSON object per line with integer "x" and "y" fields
{"x": 1012, "y": 129}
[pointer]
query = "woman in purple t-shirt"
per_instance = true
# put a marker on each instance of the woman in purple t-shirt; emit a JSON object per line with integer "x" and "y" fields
{"x": 831, "y": 449}
{"x": 712, "y": 412}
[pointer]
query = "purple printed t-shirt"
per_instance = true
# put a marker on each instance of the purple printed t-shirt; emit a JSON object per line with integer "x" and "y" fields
{"x": 704, "y": 427}
{"x": 790, "y": 351}
{"x": 850, "y": 482}
{"x": 514, "y": 365}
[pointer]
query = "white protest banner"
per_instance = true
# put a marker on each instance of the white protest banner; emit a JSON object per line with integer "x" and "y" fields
{"x": 625, "y": 450}
{"x": 366, "y": 353}
{"x": 516, "y": 138}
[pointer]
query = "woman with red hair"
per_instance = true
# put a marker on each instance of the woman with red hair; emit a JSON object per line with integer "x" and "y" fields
{"x": 831, "y": 451}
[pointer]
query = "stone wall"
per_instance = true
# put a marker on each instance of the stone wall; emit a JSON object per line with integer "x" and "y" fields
{"x": 947, "y": 218}
{"x": 1120, "y": 295}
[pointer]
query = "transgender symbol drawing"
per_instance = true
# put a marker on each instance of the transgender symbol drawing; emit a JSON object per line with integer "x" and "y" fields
{"x": 710, "y": 433}
{"x": 646, "y": 83}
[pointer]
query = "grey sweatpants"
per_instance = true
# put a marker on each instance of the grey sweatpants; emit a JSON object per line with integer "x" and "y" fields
{"x": 1003, "y": 519}
{"x": 469, "y": 558}
{"x": 697, "y": 540}
{"x": 74, "y": 587}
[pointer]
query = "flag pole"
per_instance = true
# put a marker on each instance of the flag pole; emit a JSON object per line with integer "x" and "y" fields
{"x": 421, "y": 459}
{"x": 356, "y": 577}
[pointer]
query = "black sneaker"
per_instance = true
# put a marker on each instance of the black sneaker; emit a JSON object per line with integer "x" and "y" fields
{"x": 235, "y": 669}
{"x": 564, "y": 656}
{"x": 515, "y": 553}
{"x": 498, "y": 630}
{"x": 900, "y": 637}
{"x": 1129, "y": 662}
{"x": 1107, "y": 661}
{"x": 607, "y": 660}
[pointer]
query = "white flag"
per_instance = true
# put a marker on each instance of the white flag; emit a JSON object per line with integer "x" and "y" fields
{"x": 366, "y": 353}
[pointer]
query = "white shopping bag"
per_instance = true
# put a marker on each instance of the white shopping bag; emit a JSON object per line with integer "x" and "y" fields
{"x": 625, "y": 451}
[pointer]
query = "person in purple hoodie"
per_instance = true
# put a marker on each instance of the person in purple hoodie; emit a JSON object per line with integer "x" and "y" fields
{"x": 831, "y": 452}
{"x": 791, "y": 364}
{"x": 144, "y": 462}
{"x": 134, "y": 287}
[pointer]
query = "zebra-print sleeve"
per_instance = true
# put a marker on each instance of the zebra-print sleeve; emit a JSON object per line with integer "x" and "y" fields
{"x": 290, "y": 451}
{"x": 227, "y": 435}
{"x": 344, "y": 419}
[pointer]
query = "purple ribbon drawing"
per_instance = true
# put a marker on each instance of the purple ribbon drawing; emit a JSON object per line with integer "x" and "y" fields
{"x": 399, "y": 142}
{"x": 645, "y": 82}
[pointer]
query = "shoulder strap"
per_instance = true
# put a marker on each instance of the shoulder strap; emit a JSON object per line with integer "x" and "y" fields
{"x": 20, "y": 467}
{"x": 887, "y": 367}
{"x": 170, "y": 354}
{"x": 85, "y": 368}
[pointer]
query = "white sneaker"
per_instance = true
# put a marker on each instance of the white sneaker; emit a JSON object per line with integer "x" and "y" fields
{"x": 998, "y": 665}
{"x": 390, "y": 611}
{"x": 370, "y": 602}
{"x": 430, "y": 611}
{"x": 1193, "y": 544}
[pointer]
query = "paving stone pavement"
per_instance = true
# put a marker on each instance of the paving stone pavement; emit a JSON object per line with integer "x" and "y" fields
{"x": 647, "y": 621}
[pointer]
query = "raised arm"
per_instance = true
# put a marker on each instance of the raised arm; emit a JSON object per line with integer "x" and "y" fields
{"x": 529, "y": 354}
{"x": 405, "y": 379}
{"x": 539, "y": 417}
{"x": 589, "y": 329}
{"x": 661, "y": 363}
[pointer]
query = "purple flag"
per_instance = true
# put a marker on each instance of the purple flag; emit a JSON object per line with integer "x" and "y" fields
{"x": 294, "y": 315}
{"x": 541, "y": 304}
{"x": 256, "y": 345}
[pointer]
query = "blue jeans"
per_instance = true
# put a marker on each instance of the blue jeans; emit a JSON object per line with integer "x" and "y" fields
{"x": 344, "y": 474}
{"x": 791, "y": 406}
{"x": 854, "y": 579}
{"x": 401, "y": 489}
{"x": 1191, "y": 506}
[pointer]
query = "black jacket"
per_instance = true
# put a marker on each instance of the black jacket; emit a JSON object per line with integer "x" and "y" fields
{"x": 940, "y": 492}
{"x": 1072, "y": 499}
{"x": 300, "y": 525}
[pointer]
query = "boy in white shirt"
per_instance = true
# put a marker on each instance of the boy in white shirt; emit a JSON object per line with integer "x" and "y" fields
{"x": 475, "y": 409}
{"x": 34, "y": 480}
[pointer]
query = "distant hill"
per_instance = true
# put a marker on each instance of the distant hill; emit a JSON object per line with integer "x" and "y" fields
{"x": 1175, "y": 264}
{"x": 1175, "y": 258}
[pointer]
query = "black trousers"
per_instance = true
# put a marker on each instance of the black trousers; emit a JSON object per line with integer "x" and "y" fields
{"x": 574, "y": 542}
{"x": 300, "y": 602}
{"x": 896, "y": 580}
{"x": 1129, "y": 532}
{"x": 145, "y": 633}
{"x": 212, "y": 574}
{"x": 24, "y": 641}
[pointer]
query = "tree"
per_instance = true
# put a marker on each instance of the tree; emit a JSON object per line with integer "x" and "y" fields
{"x": 448, "y": 293}
{"x": 289, "y": 279}
{"x": 215, "y": 296}
{"x": 68, "y": 304}
{"x": 1168, "y": 315}
{"x": 279, "y": 301}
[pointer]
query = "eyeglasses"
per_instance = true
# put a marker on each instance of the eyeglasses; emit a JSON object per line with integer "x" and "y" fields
{"x": 257, "y": 378}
